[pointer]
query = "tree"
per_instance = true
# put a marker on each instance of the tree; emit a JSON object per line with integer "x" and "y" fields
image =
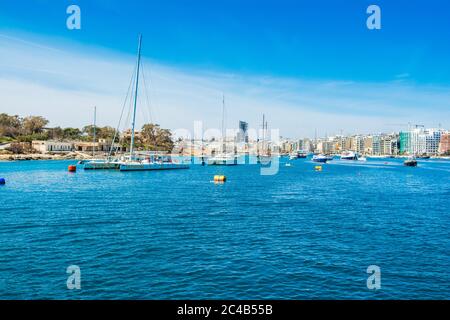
{"x": 106, "y": 133}
{"x": 71, "y": 133}
{"x": 155, "y": 138}
{"x": 33, "y": 124}
{"x": 9, "y": 125}
{"x": 55, "y": 133}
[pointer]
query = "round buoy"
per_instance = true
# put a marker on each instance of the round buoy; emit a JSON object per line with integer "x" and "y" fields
{"x": 220, "y": 178}
{"x": 72, "y": 168}
{"x": 2, "y": 181}
{"x": 318, "y": 168}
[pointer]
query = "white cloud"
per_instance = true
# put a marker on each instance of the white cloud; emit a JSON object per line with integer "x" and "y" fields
{"x": 64, "y": 83}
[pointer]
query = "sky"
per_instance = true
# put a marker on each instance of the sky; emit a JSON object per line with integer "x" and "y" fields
{"x": 307, "y": 65}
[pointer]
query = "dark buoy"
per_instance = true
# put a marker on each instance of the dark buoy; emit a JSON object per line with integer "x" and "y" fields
{"x": 72, "y": 168}
{"x": 2, "y": 181}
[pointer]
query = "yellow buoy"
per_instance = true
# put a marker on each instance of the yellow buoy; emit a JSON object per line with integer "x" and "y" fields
{"x": 220, "y": 178}
{"x": 318, "y": 168}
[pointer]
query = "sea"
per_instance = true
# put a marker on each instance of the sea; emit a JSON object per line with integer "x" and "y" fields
{"x": 297, "y": 234}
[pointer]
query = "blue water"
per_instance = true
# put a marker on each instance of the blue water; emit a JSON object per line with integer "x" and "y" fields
{"x": 299, "y": 234}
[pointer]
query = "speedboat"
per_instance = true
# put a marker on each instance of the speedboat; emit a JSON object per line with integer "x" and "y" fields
{"x": 320, "y": 158}
{"x": 349, "y": 155}
{"x": 362, "y": 159}
{"x": 410, "y": 162}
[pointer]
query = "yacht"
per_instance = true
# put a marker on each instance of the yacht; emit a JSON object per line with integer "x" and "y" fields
{"x": 320, "y": 158}
{"x": 349, "y": 155}
{"x": 299, "y": 154}
{"x": 152, "y": 161}
{"x": 137, "y": 161}
{"x": 223, "y": 159}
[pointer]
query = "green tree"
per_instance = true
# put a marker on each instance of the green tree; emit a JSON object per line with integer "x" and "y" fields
{"x": 71, "y": 133}
{"x": 9, "y": 125}
{"x": 106, "y": 133}
{"x": 33, "y": 125}
{"x": 155, "y": 138}
{"x": 55, "y": 133}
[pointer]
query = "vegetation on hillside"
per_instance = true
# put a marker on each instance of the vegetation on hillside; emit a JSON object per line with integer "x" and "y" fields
{"x": 19, "y": 131}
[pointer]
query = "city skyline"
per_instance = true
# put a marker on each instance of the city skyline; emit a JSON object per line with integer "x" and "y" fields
{"x": 365, "y": 84}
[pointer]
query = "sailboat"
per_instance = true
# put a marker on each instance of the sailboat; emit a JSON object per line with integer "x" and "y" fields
{"x": 143, "y": 161}
{"x": 223, "y": 158}
{"x": 99, "y": 164}
{"x": 264, "y": 157}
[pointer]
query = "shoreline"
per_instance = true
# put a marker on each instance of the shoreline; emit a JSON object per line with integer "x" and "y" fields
{"x": 42, "y": 156}
{"x": 82, "y": 156}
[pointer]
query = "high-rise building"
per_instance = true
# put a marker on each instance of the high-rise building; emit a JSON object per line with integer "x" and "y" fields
{"x": 242, "y": 135}
{"x": 444, "y": 144}
{"x": 376, "y": 145}
{"x": 432, "y": 140}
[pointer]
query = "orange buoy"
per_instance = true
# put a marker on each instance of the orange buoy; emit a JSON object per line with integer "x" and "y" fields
{"x": 72, "y": 168}
{"x": 220, "y": 178}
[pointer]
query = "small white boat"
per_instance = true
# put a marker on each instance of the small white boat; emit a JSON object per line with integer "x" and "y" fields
{"x": 362, "y": 159}
{"x": 223, "y": 159}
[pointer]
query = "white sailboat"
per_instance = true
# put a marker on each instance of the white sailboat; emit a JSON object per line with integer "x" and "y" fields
{"x": 264, "y": 157}
{"x": 143, "y": 161}
{"x": 99, "y": 164}
{"x": 223, "y": 158}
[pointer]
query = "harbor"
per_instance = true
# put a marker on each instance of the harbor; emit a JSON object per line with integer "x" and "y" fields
{"x": 177, "y": 234}
{"x": 224, "y": 159}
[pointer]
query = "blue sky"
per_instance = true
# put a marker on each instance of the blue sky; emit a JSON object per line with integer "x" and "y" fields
{"x": 279, "y": 51}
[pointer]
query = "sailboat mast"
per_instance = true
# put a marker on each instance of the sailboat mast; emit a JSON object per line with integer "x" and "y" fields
{"x": 223, "y": 124}
{"x": 135, "y": 96}
{"x": 95, "y": 124}
{"x": 263, "y": 134}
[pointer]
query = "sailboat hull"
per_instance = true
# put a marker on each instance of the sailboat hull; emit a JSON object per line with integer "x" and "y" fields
{"x": 101, "y": 166}
{"x": 152, "y": 166}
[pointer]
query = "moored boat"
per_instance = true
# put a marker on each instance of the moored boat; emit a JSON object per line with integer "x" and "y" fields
{"x": 320, "y": 158}
{"x": 299, "y": 154}
{"x": 223, "y": 159}
{"x": 349, "y": 155}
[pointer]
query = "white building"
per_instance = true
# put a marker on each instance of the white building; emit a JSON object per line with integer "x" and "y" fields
{"x": 51, "y": 146}
{"x": 432, "y": 140}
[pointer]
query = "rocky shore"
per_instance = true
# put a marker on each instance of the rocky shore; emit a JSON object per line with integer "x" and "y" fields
{"x": 46, "y": 156}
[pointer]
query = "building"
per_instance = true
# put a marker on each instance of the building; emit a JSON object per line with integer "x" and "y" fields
{"x": 242, "y": 135}
{"x": 405, "y": 142}
{"x": 376, "y": 145}
{"x": 51, "y": 146}
{"x": 389, "y": 144}
{"x": 358, "y": 144}
{"x": 420, "y": 141}
{"x": 100, "y": 146}
{"x": 444, "y": 144}
{"x": 432, "y": 140}
{"x": 368, "y": 142}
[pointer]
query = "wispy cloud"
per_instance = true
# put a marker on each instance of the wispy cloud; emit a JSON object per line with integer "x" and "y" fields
{"x": 64, "y": 83}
